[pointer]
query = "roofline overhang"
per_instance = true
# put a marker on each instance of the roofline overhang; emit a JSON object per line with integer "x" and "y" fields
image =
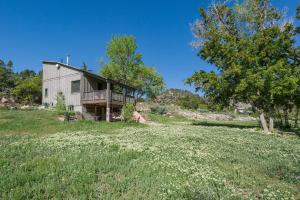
{"x": 89, "y": 73}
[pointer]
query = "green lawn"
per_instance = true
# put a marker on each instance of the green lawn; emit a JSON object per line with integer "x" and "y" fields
{"x": 44, "y": 158}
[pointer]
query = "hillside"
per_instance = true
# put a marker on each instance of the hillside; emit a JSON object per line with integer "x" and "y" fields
{"x": 173, "y": 96}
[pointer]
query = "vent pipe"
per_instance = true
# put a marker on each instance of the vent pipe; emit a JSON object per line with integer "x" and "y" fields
{"x": 68, "y": 59}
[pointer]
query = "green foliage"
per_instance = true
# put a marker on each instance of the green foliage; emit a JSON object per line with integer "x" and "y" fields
{"x": 25, "y": 87}
{"x": 7, "y": 78}
{"x": 60, "y": 106}
{"x": 191, "y": 101}
{"x": 298, "y": 17}
{"x": 28, "y": 88}
{"x": 149, "y": 82}
{"x": 254, "y": 53}
{"x": 124, "y": 60}
{"x": 159, "y": 110}
{"x": 126, "y": 65}
{"x": 26, "y": 74}
{"x": 127, "y": 112}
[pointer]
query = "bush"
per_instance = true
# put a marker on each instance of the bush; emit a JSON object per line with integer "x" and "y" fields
{"x": 127, "y": 112}
{"x": 60, "y": 104}
{"x": 159, "y": 110}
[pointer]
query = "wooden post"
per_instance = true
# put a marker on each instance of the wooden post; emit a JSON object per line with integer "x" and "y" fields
{"x": 108, "y": 96}
{"x": 81, "y": 88}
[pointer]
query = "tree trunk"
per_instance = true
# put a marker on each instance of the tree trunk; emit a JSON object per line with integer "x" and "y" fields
{"x": 286, "y": 118}
{"x": 271, "y": 124}
{"x": 263, "y": 123}
{"x": 297, "y": 117}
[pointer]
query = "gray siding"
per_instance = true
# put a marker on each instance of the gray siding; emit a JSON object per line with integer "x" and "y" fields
{"x": 91, "y": 84}
{"x": 59, "y": 80}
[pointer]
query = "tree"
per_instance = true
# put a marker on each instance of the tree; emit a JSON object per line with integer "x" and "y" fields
{"x": 149, "y": 82}
{"x": 28, "y": 88}
{"x": 250, "y": 46}
{"x": 124, "y": 60}
{"x": 84, "y": 66}
{"x": 26, "y": 74}
{"x": 127, "y": 112}
{"x": 298, "y": 17}
{"x": 7, "y": 78}
{"x": 296, "y": 59}
{"x": 126, "y": 65}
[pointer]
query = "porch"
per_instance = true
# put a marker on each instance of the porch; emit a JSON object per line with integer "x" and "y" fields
{"x": 103, "y": 99}
{"x": 99, "y": 97}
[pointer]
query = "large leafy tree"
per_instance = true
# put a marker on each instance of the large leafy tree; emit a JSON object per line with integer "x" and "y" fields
{"x": 28, "y": 87}
{"x": 126, "y": 65}
{"x": 149, "y": 82}
{"x": 296, "y": 55}
{"x": 124, "y": 60}
{"x": 250, "y": 44}
{"x": 24, "y": 87}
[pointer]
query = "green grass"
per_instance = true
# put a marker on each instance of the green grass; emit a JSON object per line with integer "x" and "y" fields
{"x": 18, "y": 122}
{"x": 167, "y": 120}
{"x": 43, "y": 158}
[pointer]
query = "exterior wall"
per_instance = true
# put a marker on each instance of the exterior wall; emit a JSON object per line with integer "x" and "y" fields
{"x": 59, "y": 80}
{"x": 91, "y": 84}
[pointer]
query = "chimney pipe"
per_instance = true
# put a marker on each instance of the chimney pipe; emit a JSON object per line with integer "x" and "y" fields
{"x": 68, "y": 59}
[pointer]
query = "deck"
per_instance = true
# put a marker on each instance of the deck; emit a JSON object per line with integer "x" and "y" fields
{"x": 100, "y": 97}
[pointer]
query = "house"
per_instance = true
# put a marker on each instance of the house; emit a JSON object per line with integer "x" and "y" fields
{"x": 94, "y": 96}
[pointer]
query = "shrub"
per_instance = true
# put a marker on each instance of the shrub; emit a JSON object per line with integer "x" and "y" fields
{"x": 127, "y": 112}
{"x": 60, "y": 104}
{"x": 159, "y": 110}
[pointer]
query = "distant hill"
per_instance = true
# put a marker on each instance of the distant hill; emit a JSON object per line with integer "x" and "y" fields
{"x": 174, "y": 96}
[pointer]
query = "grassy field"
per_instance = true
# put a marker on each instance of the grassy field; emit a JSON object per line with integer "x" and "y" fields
{"x": 44, "y": 158}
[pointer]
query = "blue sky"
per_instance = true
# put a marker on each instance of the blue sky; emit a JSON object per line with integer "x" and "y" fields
{"x": 32, "y": 31}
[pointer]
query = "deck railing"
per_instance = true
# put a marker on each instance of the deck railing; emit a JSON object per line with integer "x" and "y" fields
{"x": 100, "y": 95}
{"x": 117, "y": 97}
{"x": 94, "y": 96}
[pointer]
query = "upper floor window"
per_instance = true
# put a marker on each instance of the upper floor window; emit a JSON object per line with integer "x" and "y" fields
{"x": 75, "y": 86}
{"x": 46, "y": 92}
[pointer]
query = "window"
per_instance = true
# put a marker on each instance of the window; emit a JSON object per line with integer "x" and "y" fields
{"x": 75, "y": 86}
{"x": 70, "y": 108}
{"x": 46, "y": 92}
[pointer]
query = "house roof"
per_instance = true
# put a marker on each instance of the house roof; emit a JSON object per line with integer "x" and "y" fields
{"x": 87, "y": 73}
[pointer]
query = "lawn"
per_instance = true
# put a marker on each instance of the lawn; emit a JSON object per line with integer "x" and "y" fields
{"x": 44, "y": 158}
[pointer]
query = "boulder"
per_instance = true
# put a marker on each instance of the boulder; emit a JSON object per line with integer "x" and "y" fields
{"x": 139, "y": 118}
{"x": 4, "y": 100}
{"x": 24, "y": 107}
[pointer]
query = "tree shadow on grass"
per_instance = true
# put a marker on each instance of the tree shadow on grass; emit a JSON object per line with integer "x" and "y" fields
{"x": 244, "y": 125}
{"x": 241, "y": 125}
{"x": 289, "y": 131}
